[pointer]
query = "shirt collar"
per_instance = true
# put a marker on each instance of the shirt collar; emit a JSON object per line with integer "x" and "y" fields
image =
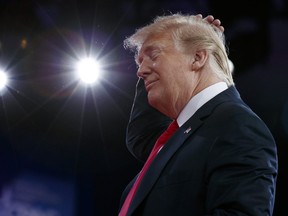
{"x": 199, "y": 100}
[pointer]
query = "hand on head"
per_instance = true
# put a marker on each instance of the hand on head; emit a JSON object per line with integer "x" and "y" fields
{"x": 210, "y": 19}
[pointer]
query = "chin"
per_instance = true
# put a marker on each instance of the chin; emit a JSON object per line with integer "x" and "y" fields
{"x": 153, "y": 100}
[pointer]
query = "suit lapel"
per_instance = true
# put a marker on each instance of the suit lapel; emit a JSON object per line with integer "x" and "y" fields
{"x": 152, "y": 174}
{"x": 175, "y": 142}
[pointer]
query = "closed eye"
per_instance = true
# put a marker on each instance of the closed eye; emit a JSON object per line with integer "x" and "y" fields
{"x": 154, "y": 55}
{"x": 151, "y": 52}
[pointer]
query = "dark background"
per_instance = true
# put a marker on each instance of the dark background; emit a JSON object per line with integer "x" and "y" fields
{"x": 62, "y": 144}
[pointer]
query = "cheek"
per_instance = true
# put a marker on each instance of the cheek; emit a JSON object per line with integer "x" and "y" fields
{"x": 168, "y": 73}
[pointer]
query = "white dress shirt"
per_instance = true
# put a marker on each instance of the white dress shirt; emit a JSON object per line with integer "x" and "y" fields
{"x": 199, "y": 100}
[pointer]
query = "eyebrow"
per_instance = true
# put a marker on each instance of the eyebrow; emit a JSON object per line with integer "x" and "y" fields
{"x": 148, "y": 49}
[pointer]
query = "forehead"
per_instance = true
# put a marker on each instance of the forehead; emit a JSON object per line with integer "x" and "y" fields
{"x": 159, "y": 41}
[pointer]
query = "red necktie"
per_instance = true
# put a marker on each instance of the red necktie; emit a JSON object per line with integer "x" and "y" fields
{"x": 158, "y": 145}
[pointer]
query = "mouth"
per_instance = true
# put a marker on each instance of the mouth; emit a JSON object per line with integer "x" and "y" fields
{"x": 149, "y": 84}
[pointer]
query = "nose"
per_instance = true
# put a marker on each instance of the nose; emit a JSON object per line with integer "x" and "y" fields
{"x": 144, "y": 69}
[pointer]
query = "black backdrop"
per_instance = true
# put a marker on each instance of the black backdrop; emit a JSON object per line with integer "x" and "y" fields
{"x": 63, "y": 143}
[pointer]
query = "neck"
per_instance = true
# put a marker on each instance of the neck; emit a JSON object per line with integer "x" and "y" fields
{"x": 197, "y": 87}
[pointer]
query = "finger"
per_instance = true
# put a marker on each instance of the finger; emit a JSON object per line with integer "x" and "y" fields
{"x": 209, "y": 18}
{"x": 216, "y": 22}
{"x": 221, "y": 28}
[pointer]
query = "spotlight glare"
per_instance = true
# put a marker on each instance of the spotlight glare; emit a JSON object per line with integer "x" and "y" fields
{"x": 88, "y": 70}
{"x": 3, "y": 79}
{"x": 231, "y": 65}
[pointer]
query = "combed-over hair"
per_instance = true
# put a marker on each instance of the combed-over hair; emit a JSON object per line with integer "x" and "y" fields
{"x": 188, "y": 32}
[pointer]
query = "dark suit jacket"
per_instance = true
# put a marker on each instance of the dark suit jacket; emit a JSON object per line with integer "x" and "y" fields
{"x": 222, "y": 161}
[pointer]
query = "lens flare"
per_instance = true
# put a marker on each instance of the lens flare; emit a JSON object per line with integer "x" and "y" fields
{"x": 3, "y": 79}
{"x": 88, "y": 70}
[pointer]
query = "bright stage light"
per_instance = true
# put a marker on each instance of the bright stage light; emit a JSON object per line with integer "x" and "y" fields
{"x": 231, "y": 65}
{"x": 88, "y": 70}
{"x": 3, "y": 79}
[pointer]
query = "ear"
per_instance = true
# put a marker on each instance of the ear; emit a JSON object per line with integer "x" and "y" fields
{"x": 199, "y": 60}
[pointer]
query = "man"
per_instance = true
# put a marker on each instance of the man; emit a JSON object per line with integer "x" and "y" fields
{"x": 222, "y": 160}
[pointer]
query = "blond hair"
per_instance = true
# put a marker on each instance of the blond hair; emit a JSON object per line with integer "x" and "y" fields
{"x": 188, "y": 32}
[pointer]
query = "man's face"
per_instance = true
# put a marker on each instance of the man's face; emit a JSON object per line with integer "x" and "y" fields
{"x": 166, "y": 72}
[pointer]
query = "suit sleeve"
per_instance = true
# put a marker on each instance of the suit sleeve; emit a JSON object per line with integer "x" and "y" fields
{"x": 242, "y": 170}
{"x": 145, "y": 125}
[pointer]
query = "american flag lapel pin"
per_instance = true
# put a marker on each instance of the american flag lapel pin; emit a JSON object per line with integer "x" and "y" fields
{"x": 187, "y": 130}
